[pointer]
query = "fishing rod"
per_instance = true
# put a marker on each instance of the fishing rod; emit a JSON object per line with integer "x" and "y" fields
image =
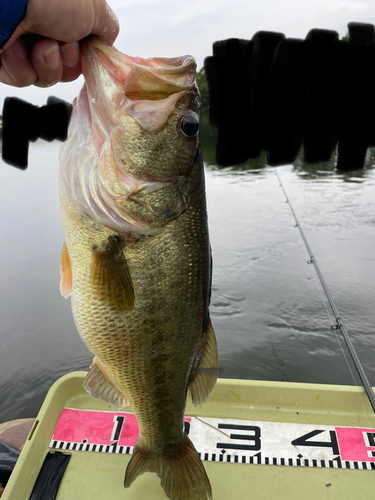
{"x": 339, "y": 322}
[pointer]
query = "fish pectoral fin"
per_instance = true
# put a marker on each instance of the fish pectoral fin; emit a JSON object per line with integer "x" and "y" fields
{"x": 99, "y": 387}
{"x": 204, "y": 379}
{"x": 110, "y": 276}
{"x": 65, "y": 273}
{"x": 182, "y": 474}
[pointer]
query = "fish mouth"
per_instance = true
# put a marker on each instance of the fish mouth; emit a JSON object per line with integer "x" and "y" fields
{"x": 150, "y": 79}
{"x": 146, "y": 89}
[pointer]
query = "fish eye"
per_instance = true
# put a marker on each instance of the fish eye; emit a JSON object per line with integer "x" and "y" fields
{"x": 189, "y": 125}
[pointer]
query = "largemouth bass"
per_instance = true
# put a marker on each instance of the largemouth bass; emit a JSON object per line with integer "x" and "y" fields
{"x": 136, "y": 259}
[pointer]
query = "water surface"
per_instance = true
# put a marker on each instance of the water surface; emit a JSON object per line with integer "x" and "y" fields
{"x": 269, "y": 318}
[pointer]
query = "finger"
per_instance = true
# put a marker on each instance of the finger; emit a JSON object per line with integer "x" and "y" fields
{"x": 71, "y": 59}
{"x": 106, "y": 25}
{"x": 71, "y": 74}
{"x": 46, "y": 59}
{"x": 70, "y": 54}
{"x": 16, "y": 67}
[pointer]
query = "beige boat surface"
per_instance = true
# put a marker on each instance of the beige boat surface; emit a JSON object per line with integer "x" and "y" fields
{"x": 98, "y": 475}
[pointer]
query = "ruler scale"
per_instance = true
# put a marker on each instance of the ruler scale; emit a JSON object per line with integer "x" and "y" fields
{"x": 226, "y": 440}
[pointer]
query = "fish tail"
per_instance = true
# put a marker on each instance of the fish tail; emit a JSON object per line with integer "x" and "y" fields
{"x": 182, "y": 474}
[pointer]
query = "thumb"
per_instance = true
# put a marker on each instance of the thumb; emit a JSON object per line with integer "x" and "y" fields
{"x": 106, "y": 25}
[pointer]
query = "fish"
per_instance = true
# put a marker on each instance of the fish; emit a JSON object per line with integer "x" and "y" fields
{"x": 136, "y": 259}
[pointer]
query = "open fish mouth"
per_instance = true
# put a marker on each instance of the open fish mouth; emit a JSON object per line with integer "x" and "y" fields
{"x": 153, "y": 78}
{"x": 146, "y": 89}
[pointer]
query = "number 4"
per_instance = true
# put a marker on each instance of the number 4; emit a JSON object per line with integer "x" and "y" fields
{"x": 303, "y": 441}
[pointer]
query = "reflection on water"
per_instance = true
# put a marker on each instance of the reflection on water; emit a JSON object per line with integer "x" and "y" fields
{"x": 305, "y": 170}
{"x": 269, "y": 318}
{"x": 278, "y": 327}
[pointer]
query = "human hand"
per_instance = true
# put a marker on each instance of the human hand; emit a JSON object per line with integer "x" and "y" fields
{"x": 55, "y": 56}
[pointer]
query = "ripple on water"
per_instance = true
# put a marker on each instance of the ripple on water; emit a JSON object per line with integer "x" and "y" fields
{"x": 267, "y": 312}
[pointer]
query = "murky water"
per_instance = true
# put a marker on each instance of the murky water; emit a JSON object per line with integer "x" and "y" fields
{"x": 269, "y": 318}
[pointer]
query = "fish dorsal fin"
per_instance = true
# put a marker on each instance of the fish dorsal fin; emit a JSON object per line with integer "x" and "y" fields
{"x": 110, "y": 276}
{"x": 65, "y": 273}
{"x": 100, "y": 387}
{"x": 205, "y": 376}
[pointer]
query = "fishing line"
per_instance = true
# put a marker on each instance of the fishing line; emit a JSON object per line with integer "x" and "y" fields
{"x": 330, "y": 319}
{"x": 339, "y": 322}
{"x": 324, "y": 301}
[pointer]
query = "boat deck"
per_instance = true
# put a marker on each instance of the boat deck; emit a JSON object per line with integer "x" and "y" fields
{"x": 258, "y": 440}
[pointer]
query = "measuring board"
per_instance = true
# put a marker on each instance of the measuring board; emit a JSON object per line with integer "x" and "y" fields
{"x": 226, "y": 440}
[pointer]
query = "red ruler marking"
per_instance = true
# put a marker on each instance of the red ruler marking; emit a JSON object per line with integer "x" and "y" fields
{"x": 356, "y": 444}
{"x": 97, "y": 427}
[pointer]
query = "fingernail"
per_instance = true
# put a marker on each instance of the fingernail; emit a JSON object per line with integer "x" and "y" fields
{"x": 52, "y": 57}
{"x": 70, "y": 54}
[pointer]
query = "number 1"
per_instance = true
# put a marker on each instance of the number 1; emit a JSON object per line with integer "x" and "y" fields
{"x": 117, "y": 428}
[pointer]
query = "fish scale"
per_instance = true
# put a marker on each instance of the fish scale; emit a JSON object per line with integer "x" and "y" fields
{"x": 113, "y": 338}
{"x": 136, "y": 259}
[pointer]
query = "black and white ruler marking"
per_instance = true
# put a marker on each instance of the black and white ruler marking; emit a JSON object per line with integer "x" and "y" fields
{"x": 227, "y": 440}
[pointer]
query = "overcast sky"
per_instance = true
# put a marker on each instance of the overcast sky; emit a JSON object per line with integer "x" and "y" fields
{"x": 173, "y": 27}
